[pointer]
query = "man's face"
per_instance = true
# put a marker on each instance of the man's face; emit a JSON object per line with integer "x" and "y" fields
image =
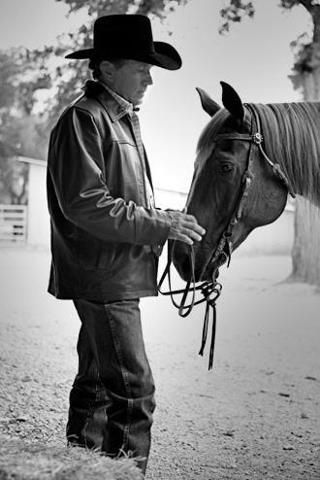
{"x": 130, "y": 80}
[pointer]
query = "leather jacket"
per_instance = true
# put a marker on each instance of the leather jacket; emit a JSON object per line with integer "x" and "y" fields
{"x": 105, "y": 240}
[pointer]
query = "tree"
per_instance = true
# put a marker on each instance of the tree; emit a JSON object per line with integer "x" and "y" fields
{"x": 69, "y": 78}
{"x": 306, "y": 77}
{"x": 23, "y": 73}
{"x": 21, "y": 131}
{"x": 306, "y": 252}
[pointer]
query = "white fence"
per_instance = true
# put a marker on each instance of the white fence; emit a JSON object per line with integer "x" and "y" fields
{"x": 13, "y": 224}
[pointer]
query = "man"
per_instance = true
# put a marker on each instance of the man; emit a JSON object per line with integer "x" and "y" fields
{"x": 106, "y": 235}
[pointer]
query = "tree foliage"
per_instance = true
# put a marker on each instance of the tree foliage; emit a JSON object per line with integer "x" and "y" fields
{"x": 23, "y": 73}
{"x": 69, "y": 77}
{"x": 235, "y": 12}
{"x": 107, "y": 7}
{"x": 21, "y": 131}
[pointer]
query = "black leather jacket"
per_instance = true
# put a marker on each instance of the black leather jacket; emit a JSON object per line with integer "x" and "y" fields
{"x": 105, "y": 241}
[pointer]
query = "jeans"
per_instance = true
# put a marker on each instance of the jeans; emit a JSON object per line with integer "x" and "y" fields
{"x": 112, "y": 398}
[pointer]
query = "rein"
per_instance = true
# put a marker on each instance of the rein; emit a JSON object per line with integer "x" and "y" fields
{"x": 211, "y": 290}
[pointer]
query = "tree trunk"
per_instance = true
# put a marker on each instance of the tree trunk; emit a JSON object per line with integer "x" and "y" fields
{"x": 306, "y": 251}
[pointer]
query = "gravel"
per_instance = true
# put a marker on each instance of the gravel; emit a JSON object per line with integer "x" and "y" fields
{"x": 254, "y": 416}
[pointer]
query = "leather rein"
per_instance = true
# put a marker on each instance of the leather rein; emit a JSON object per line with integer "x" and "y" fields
{"x": 211, "y": 290}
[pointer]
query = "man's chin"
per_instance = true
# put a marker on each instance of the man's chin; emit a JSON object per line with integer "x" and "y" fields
{"x": 140, "y": 97}
{"x": 138, "y": 100}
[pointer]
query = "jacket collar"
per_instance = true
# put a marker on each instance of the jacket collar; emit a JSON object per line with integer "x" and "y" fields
{"x": 116, "y": 106}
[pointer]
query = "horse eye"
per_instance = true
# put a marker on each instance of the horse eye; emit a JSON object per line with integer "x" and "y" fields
{"x": 226, "y": 167}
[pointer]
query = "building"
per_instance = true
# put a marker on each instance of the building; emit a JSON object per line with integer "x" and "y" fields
{"x": 38, "y": 224}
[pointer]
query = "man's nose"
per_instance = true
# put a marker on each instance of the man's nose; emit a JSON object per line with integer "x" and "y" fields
{"x": 148, "y": 79}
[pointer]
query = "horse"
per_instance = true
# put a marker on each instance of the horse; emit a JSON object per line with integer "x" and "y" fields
{"x": 249, "y": 157}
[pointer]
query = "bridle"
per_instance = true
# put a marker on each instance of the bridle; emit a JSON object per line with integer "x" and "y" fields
{"x": 211, "y": 290}
{"x": 224, "y": 246}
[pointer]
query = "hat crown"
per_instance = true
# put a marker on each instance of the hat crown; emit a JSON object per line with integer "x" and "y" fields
{"x": 122, "y": 34}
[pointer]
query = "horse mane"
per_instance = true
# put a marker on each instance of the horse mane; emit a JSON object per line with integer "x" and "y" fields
{"x": 291, "y": 138}
{"x": 291, "y": 134}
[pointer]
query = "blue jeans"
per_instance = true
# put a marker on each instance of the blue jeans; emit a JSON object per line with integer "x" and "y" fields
{"x": 112, "y": 398}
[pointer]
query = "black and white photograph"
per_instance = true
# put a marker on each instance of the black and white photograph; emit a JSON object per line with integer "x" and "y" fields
{"x": 159, "y": 240}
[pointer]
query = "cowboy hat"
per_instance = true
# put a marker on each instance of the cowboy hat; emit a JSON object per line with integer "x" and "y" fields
{"x": 128, "y": 37}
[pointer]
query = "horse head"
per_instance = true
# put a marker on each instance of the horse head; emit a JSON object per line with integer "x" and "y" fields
{"x": 233, "y": 190}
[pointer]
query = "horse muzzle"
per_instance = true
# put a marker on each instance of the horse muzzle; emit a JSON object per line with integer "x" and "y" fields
{"x": 182, "y": 261}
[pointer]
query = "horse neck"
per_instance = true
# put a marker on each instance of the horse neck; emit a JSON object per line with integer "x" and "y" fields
{"x": 291, "y": 138}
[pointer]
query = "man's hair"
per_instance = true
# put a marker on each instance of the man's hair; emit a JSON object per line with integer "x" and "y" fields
{"x": 94, "y": 65}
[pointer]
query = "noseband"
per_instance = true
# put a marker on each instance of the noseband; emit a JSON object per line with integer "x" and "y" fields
{"x": 211, "y": 290}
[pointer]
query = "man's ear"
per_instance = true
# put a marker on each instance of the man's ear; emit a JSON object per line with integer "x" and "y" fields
{"x": 107, "y": 69}
{"x": 208, "y": 105}
{"x": 232, "y": 102}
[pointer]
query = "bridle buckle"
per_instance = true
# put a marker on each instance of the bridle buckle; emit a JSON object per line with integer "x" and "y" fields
{"x": 257, "y": 138}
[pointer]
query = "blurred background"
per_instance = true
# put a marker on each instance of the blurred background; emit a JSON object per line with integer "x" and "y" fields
{"x": 263, "y": 49}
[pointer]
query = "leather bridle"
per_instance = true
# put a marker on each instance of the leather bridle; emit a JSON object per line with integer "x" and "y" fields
{"x": 211, "y": 290}
{"x": 224, "y": 246}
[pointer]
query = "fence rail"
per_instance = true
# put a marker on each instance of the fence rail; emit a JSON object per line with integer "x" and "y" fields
{"x": 13, "y": 224}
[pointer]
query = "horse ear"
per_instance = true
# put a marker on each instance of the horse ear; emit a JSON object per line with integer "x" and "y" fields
{"x": 208, "y": 105}
{"x": 231, "y": 101}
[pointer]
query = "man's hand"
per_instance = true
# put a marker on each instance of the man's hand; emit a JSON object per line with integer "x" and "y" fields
{"x": 185, "y": 227}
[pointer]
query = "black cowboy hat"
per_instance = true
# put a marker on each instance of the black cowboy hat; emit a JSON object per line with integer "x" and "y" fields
{"x": 128, "y": 37}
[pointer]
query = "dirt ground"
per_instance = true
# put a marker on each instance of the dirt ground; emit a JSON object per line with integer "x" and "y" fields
{"x": 255, "y": 416}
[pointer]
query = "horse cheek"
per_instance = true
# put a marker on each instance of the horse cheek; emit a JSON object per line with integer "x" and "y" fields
{"x": 199, "y": 207}
{"x": 266, "y": 204}
{"x": 240, "y": 233}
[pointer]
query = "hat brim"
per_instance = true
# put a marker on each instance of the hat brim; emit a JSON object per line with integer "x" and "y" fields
{"x": 164, "y": 56}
